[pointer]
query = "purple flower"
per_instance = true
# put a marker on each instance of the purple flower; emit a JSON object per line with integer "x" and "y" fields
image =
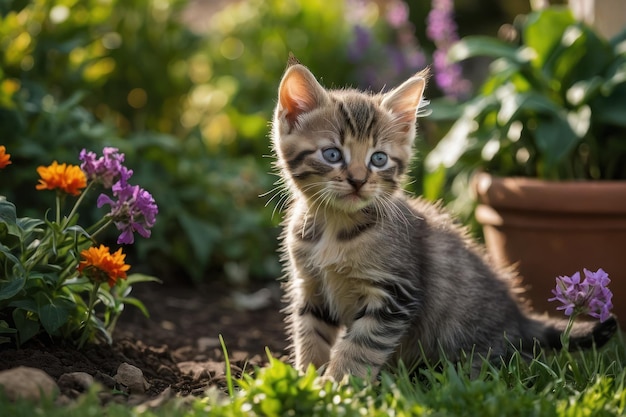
{"x": 591, "y": 295}
{"x": 440, "y": 22}
{"x": 397, "y": 14}
{"x": 134, "y": 211}
{"x": 360, "y": 44}
{"x": 442, "y": 30}
{"x": 107, "y": 169}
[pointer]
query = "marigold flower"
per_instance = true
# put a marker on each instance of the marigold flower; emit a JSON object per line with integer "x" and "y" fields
{"x": 591, "y": 295}
{"x": 99, "y": 265}
{"x": 5, "y": 158}
{"x": 67, "y": 178}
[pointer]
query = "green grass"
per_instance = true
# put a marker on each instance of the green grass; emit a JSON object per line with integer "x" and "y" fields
{"x": 564, "y": 384}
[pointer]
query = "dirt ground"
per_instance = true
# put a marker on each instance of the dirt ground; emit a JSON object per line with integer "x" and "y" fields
{"x": 178, "y": 346}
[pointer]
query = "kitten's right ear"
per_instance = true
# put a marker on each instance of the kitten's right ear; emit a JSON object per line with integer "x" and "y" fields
{"x": 299, "y": 93}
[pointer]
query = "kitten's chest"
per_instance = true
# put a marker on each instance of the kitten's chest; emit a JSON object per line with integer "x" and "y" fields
{"x": 343, "y": 271}
{"x": 324, "y": 251}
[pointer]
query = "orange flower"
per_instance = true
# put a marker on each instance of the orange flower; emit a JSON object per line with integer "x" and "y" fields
{"x": 99, "y": 265}
{"x": 67, "y": 178}
{"x": 5, "y": 158}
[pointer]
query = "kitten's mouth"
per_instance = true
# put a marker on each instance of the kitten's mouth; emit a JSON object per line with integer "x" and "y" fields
{"x": 353, "y": 196}
{"x": 354, "y": 200}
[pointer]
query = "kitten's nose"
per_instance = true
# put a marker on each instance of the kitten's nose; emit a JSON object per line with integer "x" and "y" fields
{"x": 356, "y": 183}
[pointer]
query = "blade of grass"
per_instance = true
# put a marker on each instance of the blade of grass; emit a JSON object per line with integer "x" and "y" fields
{"x": 229, "y": 375}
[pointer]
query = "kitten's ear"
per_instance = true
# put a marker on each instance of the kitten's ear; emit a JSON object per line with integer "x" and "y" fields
{"x": 404, "y": 101}
{"x": 299, "y": 93}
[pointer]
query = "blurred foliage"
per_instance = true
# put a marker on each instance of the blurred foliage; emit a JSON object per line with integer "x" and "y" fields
{"x": 247, "y": 46}
{"x": 191, "y": 110}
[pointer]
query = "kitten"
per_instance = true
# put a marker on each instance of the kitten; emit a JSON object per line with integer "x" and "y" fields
{"x": 374, "y": 277}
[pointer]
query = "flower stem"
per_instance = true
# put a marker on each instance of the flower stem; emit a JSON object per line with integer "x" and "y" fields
{"x": 86, "y": 329}
{"x": 565, "y": 336}
{"x": 99, "y": 226}
{"x": 58, "y": 208}
{"x": 78, "y": 201}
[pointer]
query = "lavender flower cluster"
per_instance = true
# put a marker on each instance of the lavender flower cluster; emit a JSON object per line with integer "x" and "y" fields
{"x": 402, "y": 49}
{"x": 591, "y": 295}
{"x": 133, "y": 209}
{"x": 442, "y": 30}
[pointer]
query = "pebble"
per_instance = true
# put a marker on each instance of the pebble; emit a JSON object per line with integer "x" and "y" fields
{"x": 27, "y": 384}
{"x": 132, "y": 377}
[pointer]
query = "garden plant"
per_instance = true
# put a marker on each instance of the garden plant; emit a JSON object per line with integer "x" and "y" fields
{"x": 90, "y": 88}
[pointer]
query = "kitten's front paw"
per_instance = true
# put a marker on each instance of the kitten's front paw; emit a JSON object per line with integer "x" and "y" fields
{"x": 340, "y": 371}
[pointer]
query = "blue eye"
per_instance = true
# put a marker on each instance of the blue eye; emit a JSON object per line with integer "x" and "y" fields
{"x": 379, "y": 159}
{"x": 332, "y": 155}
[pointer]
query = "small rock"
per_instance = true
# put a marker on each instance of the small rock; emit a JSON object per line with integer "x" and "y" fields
{"x": 132, "y": 377}
{"x": 28, "y": 384}
{"x": 80, "y": 381}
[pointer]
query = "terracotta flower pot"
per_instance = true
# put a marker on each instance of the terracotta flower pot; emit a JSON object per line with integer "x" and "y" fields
{"x": 555, "y": 228}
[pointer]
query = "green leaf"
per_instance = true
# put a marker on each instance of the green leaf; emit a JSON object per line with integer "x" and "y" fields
{"x": 544, "y": 30}
{"x": 26, "y": 327}
{"x": 135, "y": 278}
{"x": 137, "y": 303}
{"x": 7, "y": 212}
{"x": 25, "y": 304}
{"x": 555, "y": 139}
{"x": 4, "y": 328}
{"x": 434, "y": 183}
{"x": 53, "y": 313}
{"x": 11, "y": 288}
{"x": 201, "y": 234}
{"x": 14, "y": 282}
{"x": 27, "y": 224}
{"x": 474, "y": 46}
{"x": 611, "y": 110}
{"x": 581, "y": 55}
{"x": 443, "y": 109}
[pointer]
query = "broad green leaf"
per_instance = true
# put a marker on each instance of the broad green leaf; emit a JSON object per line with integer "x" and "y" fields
{"x": 27, "y": 328}
{"x": 581, "y": 55}
{"x": 27, "y": 304}
{"x": 544, "y": 30}
{"x": 53, "y": 313}
{"x": 9, "y": 289}
{"x": 611, "y": 110}
{"x": 555, "y": 139}
{"x": 434, "y": 183}
{"x": 474, "y": 46}
{"x": 7, "y": 212}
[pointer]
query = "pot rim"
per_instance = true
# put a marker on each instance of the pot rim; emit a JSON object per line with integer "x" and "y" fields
{"x": 533, "y": 194}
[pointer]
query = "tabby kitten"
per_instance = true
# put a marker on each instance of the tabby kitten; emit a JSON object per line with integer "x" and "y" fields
{"x": 373, "y": 276}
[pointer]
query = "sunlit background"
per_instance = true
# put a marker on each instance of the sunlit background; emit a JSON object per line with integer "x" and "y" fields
{"x": 186, "y": 90}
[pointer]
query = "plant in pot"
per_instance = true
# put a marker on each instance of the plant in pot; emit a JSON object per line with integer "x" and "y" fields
{"x": 545, "y": 140}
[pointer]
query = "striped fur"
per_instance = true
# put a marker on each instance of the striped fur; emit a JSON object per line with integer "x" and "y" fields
{"x": 373, "y": 276}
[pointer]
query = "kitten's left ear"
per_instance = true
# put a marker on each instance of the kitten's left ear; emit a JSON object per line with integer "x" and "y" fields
{"x": 404, "y": 101}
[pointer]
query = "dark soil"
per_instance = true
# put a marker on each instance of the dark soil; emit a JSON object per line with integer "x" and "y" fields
{"x": 178, "y": 346}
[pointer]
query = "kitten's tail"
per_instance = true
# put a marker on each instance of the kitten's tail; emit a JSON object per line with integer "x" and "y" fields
{"x": 583, "y": 335}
